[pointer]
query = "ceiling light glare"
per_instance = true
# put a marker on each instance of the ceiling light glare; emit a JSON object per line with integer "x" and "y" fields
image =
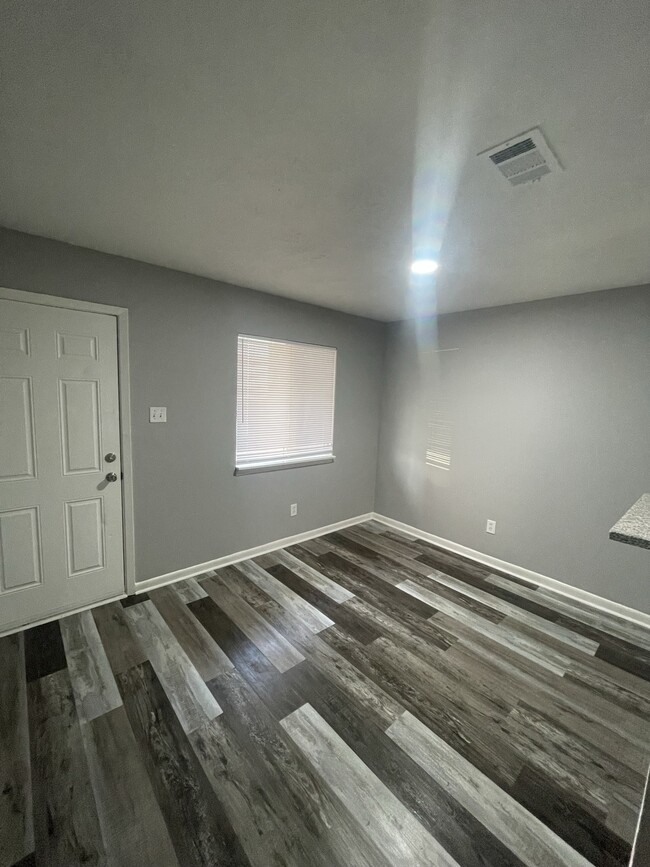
{"x": 424, "y": 266}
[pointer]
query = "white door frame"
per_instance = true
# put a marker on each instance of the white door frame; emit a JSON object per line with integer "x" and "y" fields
{"x": 121, "y": 315}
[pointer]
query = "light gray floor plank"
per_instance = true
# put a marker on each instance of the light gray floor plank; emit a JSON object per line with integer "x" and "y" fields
{"x": 203, "y": 651}
{"x": 190, "y": 697}
{"x": 381, "y": 816}
{"x": 526, "y": 836}
{"x": 307, "y": 613}
{"x": 316, "y": 579}
{"x": 132, "y": 825}
{"x": 533, "y": 650}
{"x": 619, "y": 628}
{"x": 93, "y": 682}
{"x": 16, "y": 823}
{"x": 189, "y": 590}
{"x": 567, "y": 636}
{"x": 266, "y": 638}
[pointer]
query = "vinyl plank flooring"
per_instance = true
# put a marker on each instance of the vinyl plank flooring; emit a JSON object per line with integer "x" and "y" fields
{"x": 66, "y": 826}
{"x": 532, "y": 841}
{"x": 44, "y": 652}
{"x": 312, "y": 617}
{"x": 617, "y": 627}
{"x": 202, "y": 650}
{"x": 340, "y": 614}
{"x": 120, "y": 646}
{"x": 132, "y": 825}
{"x": 330, "y": 834}
{"x": 93, "y": 683}
{"x": 380, "y": 814}
{"x": 607, "y": 785}
{"x": 199, "y": 828}
{"x": 192, "y": 700}
{"x": 460, "y": 834}
{"x": 254, "y": 798}
{"x": 189, "y": 590}
{"x": 250, "y": 662}
{"x": 563, "y": 634}
{"x": 569, "y": 820}
{"x": 16, "y": 822}
{"x": 273, "y": 645}
{"x": 451, "y": 713}
{"x": 321, "y": 582}
{"x": 532, "y": 649}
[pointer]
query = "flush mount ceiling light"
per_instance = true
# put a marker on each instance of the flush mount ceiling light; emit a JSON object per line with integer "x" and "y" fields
{"x": 424, "y": 266}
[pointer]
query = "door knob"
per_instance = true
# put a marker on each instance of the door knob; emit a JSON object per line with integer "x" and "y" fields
{"x": 110, "y": 457}
{"x": 111, "y": 477}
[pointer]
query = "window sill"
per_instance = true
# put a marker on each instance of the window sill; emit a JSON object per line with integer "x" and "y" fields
{"x": 269, "y": 467}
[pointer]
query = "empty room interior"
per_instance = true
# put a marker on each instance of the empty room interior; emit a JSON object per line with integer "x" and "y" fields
{"x": 325, "y": 433}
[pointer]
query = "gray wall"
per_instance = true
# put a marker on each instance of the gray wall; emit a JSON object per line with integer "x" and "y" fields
{"x": 189, "y": 508}
{"x": 550, "y": 403}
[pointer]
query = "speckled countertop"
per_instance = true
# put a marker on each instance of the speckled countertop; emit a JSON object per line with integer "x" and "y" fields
{"x": 634, "y": 526}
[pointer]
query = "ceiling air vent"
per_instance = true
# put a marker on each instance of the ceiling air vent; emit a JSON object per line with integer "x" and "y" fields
{"x": 527, "y": 157}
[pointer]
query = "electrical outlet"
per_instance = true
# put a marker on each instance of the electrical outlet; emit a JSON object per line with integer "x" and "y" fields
{"x": 491, "y": 526}
{"x": 158, "y": 414}
{"x": 294, "y": 510}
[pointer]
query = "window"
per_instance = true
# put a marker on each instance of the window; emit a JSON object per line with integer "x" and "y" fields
{"x": 439, "y": 367}
{"x": 285, "y": 404}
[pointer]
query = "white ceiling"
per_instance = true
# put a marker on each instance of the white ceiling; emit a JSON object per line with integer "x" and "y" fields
{"x": 308, "y": 147}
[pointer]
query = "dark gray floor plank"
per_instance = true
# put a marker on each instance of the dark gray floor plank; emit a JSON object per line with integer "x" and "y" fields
{"x": 66, "y": 826}
{"x": 121, "y": 648}
{"x": 44, "y": 652}
{"x": 569, "y": 819}
{"x": 131, "y": 822}
{"x": 16, "y": 823}
{"x": 199, "y": 828}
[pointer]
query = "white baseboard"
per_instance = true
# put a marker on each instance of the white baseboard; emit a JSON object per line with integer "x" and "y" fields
{"x": 238, "y": 556}
{"x": 575, "y": 593}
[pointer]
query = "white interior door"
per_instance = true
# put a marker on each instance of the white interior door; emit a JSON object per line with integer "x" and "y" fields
{"x": 61, "y": 543}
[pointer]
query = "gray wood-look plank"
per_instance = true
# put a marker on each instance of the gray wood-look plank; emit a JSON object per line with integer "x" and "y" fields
{"x": 546, "y": 627}
{"x": 380, "y": 814}
{"x": 192, "y": 700}
{"x": 313, "y": 619}
{"x": 121, "y": 648}
{"x": 131, "y": 822}
{"x": 16, "y": 822}
{"x": 527, "y": 837}
{"x": 202, "y": 650}
{"x": 274, "y": 646}
{"x": 616, "y": 626}
{"x": 535, "y": 650}
{"x": 312, "y": 576}
{"x": 189, "y": 590}
{"x": 93, "y": 681}
{"x": 66, "y": 826}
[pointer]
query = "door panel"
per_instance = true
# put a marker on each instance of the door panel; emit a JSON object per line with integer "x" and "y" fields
{"x": 84, "y": 526}
{"x": 20, "y": 548}
{"x": 17, "y": 458}
{"x": 80, "y": 425}
{"x": 61, "y": 543}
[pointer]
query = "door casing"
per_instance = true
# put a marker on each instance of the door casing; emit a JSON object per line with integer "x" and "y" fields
{"x": 121, "y": 315}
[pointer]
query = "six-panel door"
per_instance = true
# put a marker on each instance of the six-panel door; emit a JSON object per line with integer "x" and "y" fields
{"x": 60, "y": 519}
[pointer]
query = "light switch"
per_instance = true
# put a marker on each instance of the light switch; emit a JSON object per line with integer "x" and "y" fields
{"x": 157, "y": 413}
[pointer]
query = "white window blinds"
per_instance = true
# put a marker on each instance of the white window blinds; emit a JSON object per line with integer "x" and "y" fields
{"x": 285, "y": 402}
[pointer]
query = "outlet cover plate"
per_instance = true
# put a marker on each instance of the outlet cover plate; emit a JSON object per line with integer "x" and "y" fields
{"x": 491, "y": 526}
{"x": 158, "y": 414}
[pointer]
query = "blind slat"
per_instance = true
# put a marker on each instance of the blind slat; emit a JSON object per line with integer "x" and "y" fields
{"x": 285, "y": 400}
